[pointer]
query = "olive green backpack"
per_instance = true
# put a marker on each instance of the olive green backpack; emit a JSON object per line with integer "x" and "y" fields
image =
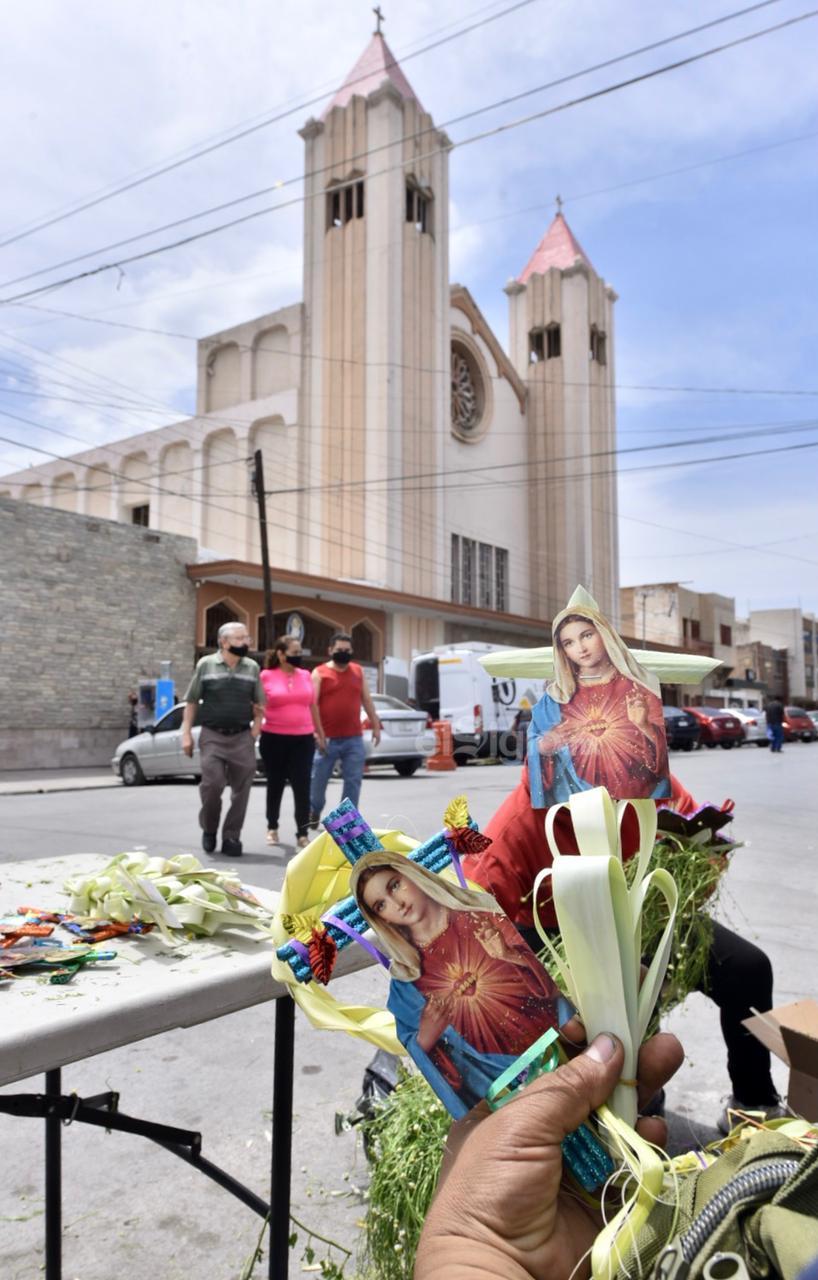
{"x": 753, "y": 1213}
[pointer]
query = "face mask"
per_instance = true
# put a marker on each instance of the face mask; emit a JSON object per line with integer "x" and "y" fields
{"x": 294, "y": 659}
{"x": 238, "y": 650}
{"x": 342, "y": 657}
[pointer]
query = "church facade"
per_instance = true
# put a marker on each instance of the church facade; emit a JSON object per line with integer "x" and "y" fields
{"x": 416, "y": 472}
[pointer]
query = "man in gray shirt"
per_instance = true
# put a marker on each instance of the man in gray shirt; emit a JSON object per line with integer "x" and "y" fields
{"x": 228, "y": 694}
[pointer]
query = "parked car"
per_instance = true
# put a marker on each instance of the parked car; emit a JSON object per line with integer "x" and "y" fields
{"x": 754, "y": 723}
{"x": 797, "y": 724}
{"x": 682, "y": 729}
{"x": 813, "y": 715}
{"x": 719, "y": 727}
{"x": 157, "y": 752}
{"x": 406, "y": 735}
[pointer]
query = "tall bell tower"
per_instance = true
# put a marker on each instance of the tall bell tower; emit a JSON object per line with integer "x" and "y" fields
{"x": 562, "y": 345}
{"x": 375, "y": 378}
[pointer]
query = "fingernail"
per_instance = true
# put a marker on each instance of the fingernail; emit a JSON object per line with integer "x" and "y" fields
{"x": 603, "y": 1048}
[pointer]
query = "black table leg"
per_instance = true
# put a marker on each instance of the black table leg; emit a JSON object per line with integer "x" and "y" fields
{"x": 53, "y": 1182}
{"x": 282, "y": 1139}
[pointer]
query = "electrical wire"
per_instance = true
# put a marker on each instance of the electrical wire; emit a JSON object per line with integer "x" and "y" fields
{"x": 141, "y": 177}
{"x": 496, "y": 131}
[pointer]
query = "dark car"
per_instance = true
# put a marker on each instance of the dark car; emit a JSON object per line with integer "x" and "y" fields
{"x": 798, "y": 724}
{"x": 682, "y": 729}
{"x": 719, "y": 728}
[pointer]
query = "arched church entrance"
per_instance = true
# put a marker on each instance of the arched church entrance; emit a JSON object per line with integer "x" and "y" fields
{"x": 216, "y": 616}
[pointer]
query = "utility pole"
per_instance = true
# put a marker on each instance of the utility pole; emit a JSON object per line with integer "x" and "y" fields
{"x": 257, "y": 485}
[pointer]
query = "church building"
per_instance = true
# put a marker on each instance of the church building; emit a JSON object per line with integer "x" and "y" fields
{"x": 424, "y": 484}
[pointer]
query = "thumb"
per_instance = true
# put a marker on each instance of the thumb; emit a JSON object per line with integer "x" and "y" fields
{"x": 564, "y": 1099}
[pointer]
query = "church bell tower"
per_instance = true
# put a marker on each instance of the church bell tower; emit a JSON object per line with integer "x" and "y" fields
{"x": 562, "y": 345}
{"x": 375, "y": 380}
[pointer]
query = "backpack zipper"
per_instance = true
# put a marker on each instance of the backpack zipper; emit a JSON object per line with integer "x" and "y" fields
{"x": 675, "y": 1261}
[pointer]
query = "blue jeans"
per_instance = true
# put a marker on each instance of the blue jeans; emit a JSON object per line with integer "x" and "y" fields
{"x": 352, "y": 756}
{"x": 776, "y": 736}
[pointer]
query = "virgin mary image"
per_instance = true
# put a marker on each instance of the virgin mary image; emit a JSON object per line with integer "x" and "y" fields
{"x": 468, "y": 995}
{"x": 599, "y": 722}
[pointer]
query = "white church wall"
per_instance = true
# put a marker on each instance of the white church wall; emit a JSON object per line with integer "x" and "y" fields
{"x": 99, "y": 498}
{"x": 278, "y": 444}
{"x": 225, "y": 497}
{"x": 177, "y": 479}
{"x": 479, "y": 510}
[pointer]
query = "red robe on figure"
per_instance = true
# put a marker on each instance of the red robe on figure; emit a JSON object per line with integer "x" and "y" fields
{"x": 519, "y": 850}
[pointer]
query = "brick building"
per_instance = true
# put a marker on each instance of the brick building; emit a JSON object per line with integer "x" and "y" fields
{"x": 89, "y": 608}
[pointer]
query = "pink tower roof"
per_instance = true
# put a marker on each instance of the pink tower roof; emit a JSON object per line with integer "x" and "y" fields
{"x": 376, "y": 64}
{"x": 558, "y": 248}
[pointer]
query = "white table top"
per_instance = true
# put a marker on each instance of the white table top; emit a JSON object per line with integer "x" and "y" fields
{"x": 149, "y": 988}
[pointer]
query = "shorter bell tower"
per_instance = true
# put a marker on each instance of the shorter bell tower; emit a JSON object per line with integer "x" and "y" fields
{"x": 562, "y": 346}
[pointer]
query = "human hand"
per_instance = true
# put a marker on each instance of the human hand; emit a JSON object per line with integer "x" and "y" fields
{"x": 321, "y": 742}
{"x": 637, "y": 710}
{"x": 376, "y": 732}
{"x": 255, "y": 731}
{"x": 549, "y": 743}
{"x": 500, "y": 1209}
{"x": 493, "y": 942}
{"x": 187, "y": 744}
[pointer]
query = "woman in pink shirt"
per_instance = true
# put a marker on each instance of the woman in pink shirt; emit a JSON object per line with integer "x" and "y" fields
{"x": 291, "y": 728}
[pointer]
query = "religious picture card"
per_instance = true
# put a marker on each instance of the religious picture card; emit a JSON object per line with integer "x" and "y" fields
{"x": 469, "y": 997}
{"x": 599, "y": 722}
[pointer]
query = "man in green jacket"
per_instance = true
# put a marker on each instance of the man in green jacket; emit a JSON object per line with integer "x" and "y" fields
{"x": 228, "y": 694}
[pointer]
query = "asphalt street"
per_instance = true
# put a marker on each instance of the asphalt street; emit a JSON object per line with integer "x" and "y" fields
{"x": 132, "y": 1209}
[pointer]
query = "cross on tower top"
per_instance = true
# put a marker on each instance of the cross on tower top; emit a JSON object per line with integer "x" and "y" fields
{"x": 379, "y": 18}
{"x": 559, "y": 204}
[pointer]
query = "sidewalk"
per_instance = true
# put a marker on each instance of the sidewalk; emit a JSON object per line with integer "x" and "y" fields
{"x": 22, "y": 782}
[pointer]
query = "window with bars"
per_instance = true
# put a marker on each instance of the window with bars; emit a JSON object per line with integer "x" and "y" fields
{"x": 485, "y": 592}
{"x": 501, "y": 579}
{"x": 599, "y": 345}
{"x": 479, "y": 574}
{"x": 544, "y": 344}
{"x": 344, "y": 204}
{"x": 418, "y": 207}
{"x": 468, "y": 548}
{"x": 455, "y": 569}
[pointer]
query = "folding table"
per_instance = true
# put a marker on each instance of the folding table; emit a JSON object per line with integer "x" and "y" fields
{"x": 148, "y": 989}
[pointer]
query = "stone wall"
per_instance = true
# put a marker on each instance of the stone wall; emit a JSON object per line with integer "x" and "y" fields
{"x": 88, "y": 607}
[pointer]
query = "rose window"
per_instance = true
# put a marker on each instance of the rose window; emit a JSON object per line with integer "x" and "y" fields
{"x": 467, "y": 392}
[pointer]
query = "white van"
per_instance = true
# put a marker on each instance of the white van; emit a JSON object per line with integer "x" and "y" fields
{"x": 450, "y": 684}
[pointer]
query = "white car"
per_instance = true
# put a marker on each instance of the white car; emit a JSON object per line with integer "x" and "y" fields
{"x": 406, "y": 735}
{"x": 157, "y": 752}
{"x": 754, "y": 724}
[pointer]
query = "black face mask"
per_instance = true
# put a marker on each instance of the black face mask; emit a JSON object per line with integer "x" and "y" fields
{"x": 238, "y": 650}
{"x": 294, "y": 659}
{"x": 342, "y": 657}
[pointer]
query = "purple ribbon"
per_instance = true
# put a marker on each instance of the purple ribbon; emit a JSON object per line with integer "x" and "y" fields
{"x": 359, "y": 938}
{"x": 301, "y": 950}
{"x": 456, "y": 864}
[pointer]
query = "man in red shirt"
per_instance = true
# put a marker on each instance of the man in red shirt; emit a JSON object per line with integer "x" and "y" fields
{"x": 739, "y": 975}
{"x": 340, "y": 692}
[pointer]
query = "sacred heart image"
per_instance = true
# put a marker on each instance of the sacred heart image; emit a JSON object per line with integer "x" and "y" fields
{"x": 599, "y": 722}
{"x": 469, "y": 997}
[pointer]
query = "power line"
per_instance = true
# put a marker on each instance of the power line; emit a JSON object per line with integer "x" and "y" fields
{"x": 496, "y": 131}
{"x": 593, "y": 475}
{"x": 407, "y": 368}
{"x": 459, "y": 472}
{"x": 286, "y": 182}
{"x": 402, "y": 556}
{"x": 139, "y": 180}
{"x": 512, "y": 213}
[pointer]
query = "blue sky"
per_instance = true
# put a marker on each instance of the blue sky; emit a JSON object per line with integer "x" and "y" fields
{"x": 715, "y": 267}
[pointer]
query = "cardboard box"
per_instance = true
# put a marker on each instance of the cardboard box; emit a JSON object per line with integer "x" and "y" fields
{"x": 791, "y": 1033}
